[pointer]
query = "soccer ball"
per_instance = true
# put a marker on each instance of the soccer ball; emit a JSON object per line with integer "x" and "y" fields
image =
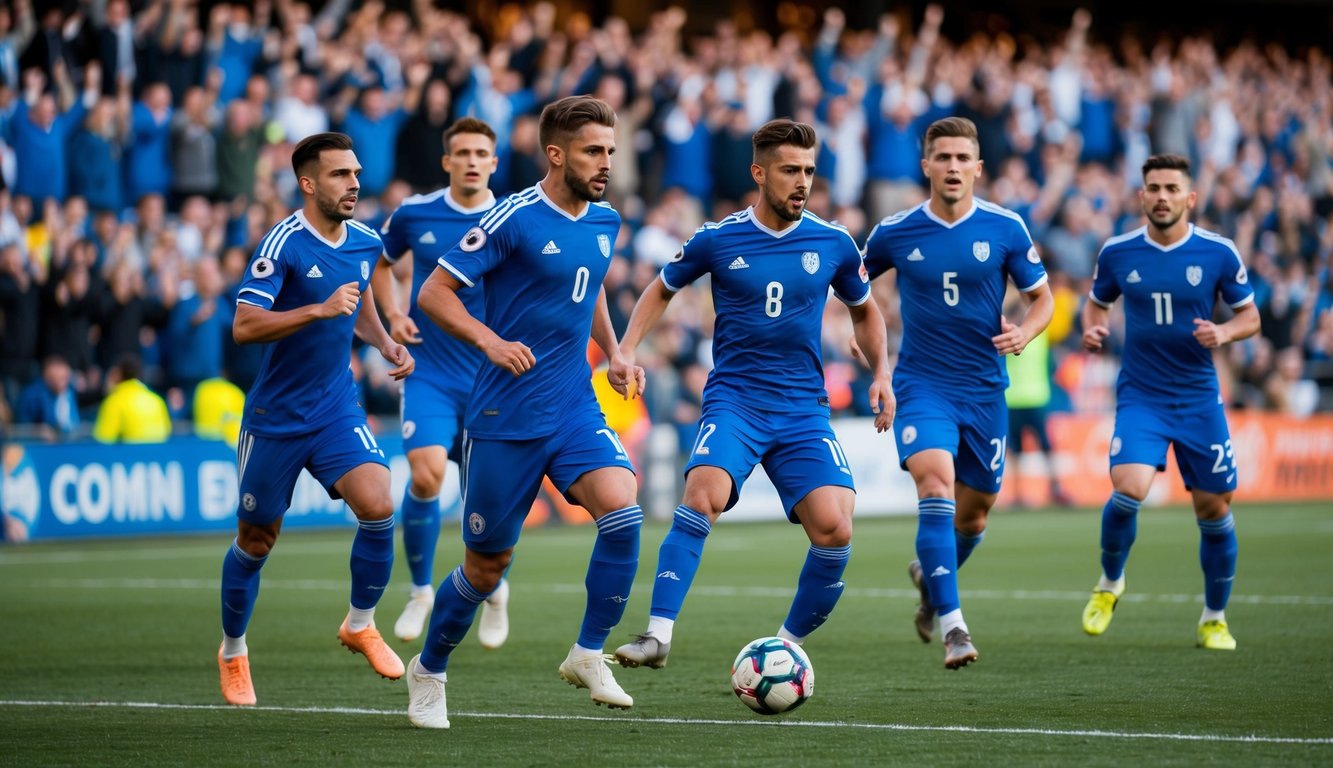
{"x": 772, "y": 675}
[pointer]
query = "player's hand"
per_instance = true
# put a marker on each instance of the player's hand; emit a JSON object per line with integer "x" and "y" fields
{"x": 883, "y": 403}
{"x": 404, "y": 330}
{"x": 1094, "y": 336}
{"x": 342, "y": 302}
{"x": 400, "y": 358}
{"x": 1012, "y": 339}
{"x": 1209, "y": 334}
{"x": 626, "y": 378}
{"x": 513, "y": 356}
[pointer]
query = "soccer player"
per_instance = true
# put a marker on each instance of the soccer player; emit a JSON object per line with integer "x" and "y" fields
{"x": 771, "y": 268}
{"x": 954, "y": 255}
{"x": 1170, "y": 274}
{"x": 302, "y": 298}
{"x": 543, "y": 252}
{"x": 435, "y": 397}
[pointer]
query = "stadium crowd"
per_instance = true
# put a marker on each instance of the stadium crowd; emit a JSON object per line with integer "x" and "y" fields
{"x": 145, "y": 148}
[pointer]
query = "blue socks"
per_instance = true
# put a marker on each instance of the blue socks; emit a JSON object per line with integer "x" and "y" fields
{"x": 421, "y": 531}
{"x": 1217, "y": 555}
{"x": 1119, "y": 527}
{"x": 371, "y": 562}
{"x": 615, "y": 558}
{"x": 937, "y": 549}
{"x": 456, "y": 604}
{"x": 678, "y": 561}
{"x": 818, "y": 589}
{"x": 240, "y": 589}
{"x": 966, "y": 544}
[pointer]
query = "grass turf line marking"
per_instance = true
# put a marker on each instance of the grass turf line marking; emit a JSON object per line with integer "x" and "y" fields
{"x": 711, "y": 591}
{"x": 1207, "y": 737}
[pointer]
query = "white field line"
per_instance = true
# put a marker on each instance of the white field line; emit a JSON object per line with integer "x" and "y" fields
{"x": 782, "y": 593}
{"x": 630, "y": 719}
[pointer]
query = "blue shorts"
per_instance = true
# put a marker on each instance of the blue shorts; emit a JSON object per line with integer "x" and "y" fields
{"x": 500, "y": 478}
{"x": 975, "y": 431}
{"x": 431, "y": 415}
{"x": 799, "y": 452}
{"x": 1200, "y": 436}
{"x": 269, "y": 466}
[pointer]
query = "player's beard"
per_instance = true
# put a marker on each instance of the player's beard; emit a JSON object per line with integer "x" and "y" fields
{"x": 332, "y": 208}
{"x": 1163, "y": 225}
{"x": 778, "y": 205}
{"x": 583, "y": 189}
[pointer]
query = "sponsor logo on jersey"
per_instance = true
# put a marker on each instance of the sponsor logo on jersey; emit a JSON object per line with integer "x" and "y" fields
{"x": 1033, "y": 256}
{"x": 915, "y": 255}
{"x": 981, "y": 249}
{"x": 1242, "y": 276}
{"x": 365, "y": 270}
{"x": 1194, "y": 274}
{"x": 427, "y": 239}
{"x": 739, "y": 263}
{"x": 314, "y": 272}
{"x": 810, "y": 262}
{"x": 865, "y": 276}
{"x": 263, "y": 267}
{"x": 551, "y": 248}
{"x": 1133, "y": 277}
{"x": 604, "y": 245}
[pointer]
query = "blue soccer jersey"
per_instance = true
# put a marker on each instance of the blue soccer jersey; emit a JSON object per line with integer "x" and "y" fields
{"x": 951, "y": 285}
{"x": 429, "y": 225}
{"x": 769, "y": 291}
{"x": 1166, "y": 288}
{"x": 544, "y": 271}
{"x": 305, "y": 379}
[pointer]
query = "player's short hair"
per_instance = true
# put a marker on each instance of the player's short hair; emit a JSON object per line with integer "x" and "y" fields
{"x": 950, "y": 128}
{"x": 780, "y": 133}
{"x": 307, "y": 151}
{"x": 1167, "y": 162}
{"x": 562, "y": 119}
{"x": 467, "y": 125}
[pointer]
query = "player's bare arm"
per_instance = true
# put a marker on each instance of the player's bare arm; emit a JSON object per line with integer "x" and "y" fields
{"x": 369, "y": 329}
{"x": 1095, "y": 330}
{"x": 255, "y": 325}
{"x": 871, "y": 342}
{"x": 439, "y": 300}
{"x": 627, "y": 379}
{"x": 1013, "y": 339}
{"x": 1244, "y": 325}
{"x": 401, "y": 327}
{"x": 647, "y": 311}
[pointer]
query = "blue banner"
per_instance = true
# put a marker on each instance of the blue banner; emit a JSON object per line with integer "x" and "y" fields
{"x": 187, "y": 485}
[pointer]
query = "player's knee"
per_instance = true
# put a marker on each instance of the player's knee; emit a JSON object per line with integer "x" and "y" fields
{"x": 370, "y": 509}
{"x": 484, "y": 572}
{"x": 837, "y": 534}
{"x": 1212, "y": 506}
{"x": 425, "y": 485}
{"x": 256, "y": 541}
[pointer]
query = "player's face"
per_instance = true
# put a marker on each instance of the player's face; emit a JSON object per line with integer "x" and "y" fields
{"x": 952, "y": 167}
{"x": 1166, "y": 196}
{"x": 335, "y": 184}
{"x": 588, "y": 161}
{"x": 784, "y": 182}
{"x": 470, "y": 162}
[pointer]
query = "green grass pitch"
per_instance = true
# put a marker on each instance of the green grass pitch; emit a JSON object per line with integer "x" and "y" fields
{"x": 109, "y": 656}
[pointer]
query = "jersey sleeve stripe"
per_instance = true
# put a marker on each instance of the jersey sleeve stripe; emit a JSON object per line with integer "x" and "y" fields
{"x": 1000, "y": 210}
{"x": 273, "y": 248}
{"x": 495, "y": 222}
{"x": 280, "y": 231}
{"x": 1247, "y": 300}
{"x": 462, "y": 278}
{"x": 500, "y": 212}
{"x": 255, "y": 291}
{"x": 1039, "y": 283}
{"x": 857, "y": 302}
{"x": 667, "y": 283}
{"x": 1093, "y": 298}
{"x": 240, "y": 300}
{"x": 368, "y": 230}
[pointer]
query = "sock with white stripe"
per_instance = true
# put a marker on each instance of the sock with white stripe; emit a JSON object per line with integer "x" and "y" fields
{"x": 615, "y": 558}
{"x": 1217, "y": 555}
{"x": 371, "y": 564}
{"x": 937, "y": 550}
{"x": 1119, "y": 528}
{"x": 817, "y": 590}
{"x": 240, "y": 590}
{"x": 677, "y": 564}
{"x": 421, "y": 531}
{"x": 456, "y": 604}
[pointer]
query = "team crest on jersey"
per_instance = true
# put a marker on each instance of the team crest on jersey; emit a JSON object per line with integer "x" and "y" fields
{"x": 1115, "y": 446}
{"x": 1242, "y": 276}
{"x": 909, "y": 434}
{"x": 810, "y": 262}
{"x": 262, "y": 268}
{"x": 981, "y": 249}
{"x": 476, "y": 523}
{"x": 409, "y": 429}
{"x": 1194, "y": 275}
{"x": 365, "y": 270}
{"x": 1033, "y": 256}
{"x": 248, "y": 502}
{"x": 604, "y": 245}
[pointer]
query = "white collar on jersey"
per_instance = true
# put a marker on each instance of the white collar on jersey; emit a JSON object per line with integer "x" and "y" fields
{"x": 300, "y": 216}
{"x": 542, "y": 194}
{"x": 949, "y": 225}
{"x": 773, "y": 232}
{"x": 1172, "y": 246}
{"x": 484, "y": 205}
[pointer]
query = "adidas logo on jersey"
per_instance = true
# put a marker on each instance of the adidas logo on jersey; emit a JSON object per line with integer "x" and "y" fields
{"x": 427, "y": 239}
{"x": 314, "y": 272}
{"x": 550, "y": 248}
{"x": 1133, "y": 277}
{"x": 915, "y": 255}
{"x": 739, "y": 263}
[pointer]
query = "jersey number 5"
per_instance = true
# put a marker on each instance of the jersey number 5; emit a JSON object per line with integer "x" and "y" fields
{"x": 950, "y": 289}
